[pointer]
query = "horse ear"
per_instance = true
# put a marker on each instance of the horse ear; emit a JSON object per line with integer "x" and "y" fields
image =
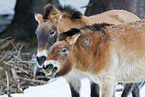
{"x": 70, "y": 36}
{"x": 49, "y": 9}
{"x": 55, "y": 11}
{"x": 72, "y": 40}
{"x": 38, "y": 17}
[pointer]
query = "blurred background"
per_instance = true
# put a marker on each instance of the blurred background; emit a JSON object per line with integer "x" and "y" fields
{"x": 17, "y": 16}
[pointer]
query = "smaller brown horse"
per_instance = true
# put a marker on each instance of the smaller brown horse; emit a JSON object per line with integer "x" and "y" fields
{"x": 104, "y": 53}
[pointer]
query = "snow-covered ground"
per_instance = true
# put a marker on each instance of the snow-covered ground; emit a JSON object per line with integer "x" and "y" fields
{"x": 59, "y": 87}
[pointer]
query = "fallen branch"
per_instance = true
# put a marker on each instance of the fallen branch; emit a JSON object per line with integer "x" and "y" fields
{"x": 16, "y": 79}
{"x": 5, "y": 38}
{"x": 5, "y": 56}
{"x": 32, "y": 80}
{"x": 5, "y": 45}
{"x": 8, "y": 88}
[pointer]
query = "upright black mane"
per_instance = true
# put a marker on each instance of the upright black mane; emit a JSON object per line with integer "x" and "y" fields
{"x": 73, "y": 12}
{"x": 69, "y": 33}
{"x": 68, "y": 10}
{"x": 93, "y": 28}
{"x": 96, "y": 27}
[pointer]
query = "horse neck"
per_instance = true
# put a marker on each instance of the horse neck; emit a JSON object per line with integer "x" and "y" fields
{"x": 90, "y": 58}
{"x": 66, "y": 24}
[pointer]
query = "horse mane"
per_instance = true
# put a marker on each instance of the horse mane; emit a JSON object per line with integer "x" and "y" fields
{"x": 73, "y": 31}
{"x": 72, "y": 12}
{"x": 69, "y": 33}
{"x": 67, "y": 9}
{"x": 96, "y": 27}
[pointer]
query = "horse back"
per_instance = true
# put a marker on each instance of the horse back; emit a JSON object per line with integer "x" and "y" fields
{"x": 114, "y": 17}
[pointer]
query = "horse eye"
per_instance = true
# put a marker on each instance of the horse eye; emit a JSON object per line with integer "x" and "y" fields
{"x": 36, "y": 32}
{"x": 52, "y": 32}
{"x": 64, "y": 50}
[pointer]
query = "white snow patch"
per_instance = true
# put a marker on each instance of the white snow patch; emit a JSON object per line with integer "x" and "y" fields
{"x": 7, "y": 6}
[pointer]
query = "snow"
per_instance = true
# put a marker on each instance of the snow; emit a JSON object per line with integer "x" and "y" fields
{"x": 58, "y": 87}
{"x": 7, "y": 6}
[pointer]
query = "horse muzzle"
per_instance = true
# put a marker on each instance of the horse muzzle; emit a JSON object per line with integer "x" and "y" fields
{"x": 51, "y": 68}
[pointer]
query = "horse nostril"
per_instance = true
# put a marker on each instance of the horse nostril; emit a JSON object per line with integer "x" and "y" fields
{"x": 49, "y": 67}
{"x": 41, "y": 60}
{"x": 54, "y": 70}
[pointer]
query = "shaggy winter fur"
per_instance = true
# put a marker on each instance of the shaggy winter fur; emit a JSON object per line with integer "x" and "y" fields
{"x": 57, "y": 20}
{"x": 116, "y": 56}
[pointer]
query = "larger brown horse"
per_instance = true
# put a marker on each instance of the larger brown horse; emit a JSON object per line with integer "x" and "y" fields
{"x": 104, "y": 53}
{"x": 54, "y": 21}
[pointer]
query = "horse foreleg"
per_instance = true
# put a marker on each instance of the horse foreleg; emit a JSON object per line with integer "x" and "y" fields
{"x": 74, "y": 93}
{"x": 107, "y": 89}
{"x": 94, "y": 90}
{"x": 135, "y": 90}
{"x": 127, "y": 89}
{"x": 131, "y": 87}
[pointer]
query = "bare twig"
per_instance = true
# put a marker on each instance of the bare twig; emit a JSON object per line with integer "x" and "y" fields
{"x": 12, "y": 42}
{"x": 5, "y": 45}
{"x": 8, "y": 88}
{"x": 8, "y": 52}
{"x": 16, "y": 79}
{"x": 18, "y": 54}
{"x": 5, "y": 38}
{"x": 89, "y": 5}
{"x": 26, "y": 62}
{"x": 32, "y": 80}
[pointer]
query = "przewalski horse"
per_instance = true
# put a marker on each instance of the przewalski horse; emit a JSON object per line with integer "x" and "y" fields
{"x": 54, "y": 21}
{"x": 104, "y": 53}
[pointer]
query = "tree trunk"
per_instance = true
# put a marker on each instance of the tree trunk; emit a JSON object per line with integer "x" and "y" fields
{"x": 98, "y": 6}
{"x": 23, "y": 25}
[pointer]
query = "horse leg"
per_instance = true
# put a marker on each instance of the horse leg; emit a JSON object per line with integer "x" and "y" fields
{"x": 127, "y": 89}
{"x": 107, "y": 89}
{"x": 135, "y": 90}
{"x": 74, "y": 93}
{"x": 94, "y": 90}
